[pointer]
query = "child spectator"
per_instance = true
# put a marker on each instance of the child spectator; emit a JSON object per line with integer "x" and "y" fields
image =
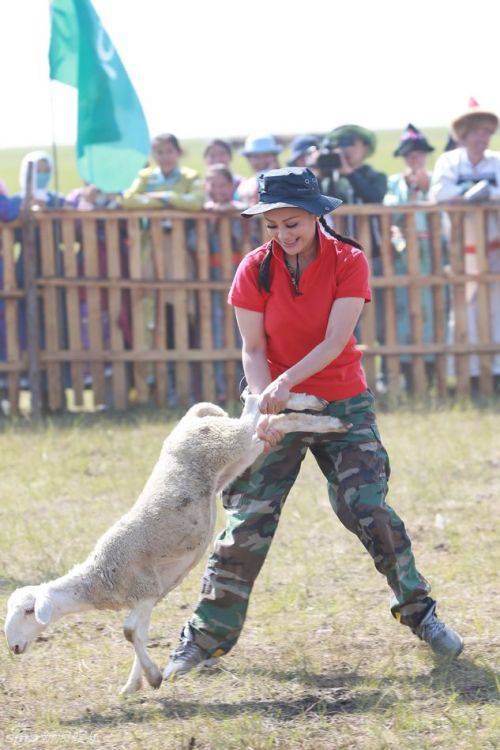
{"x": 41, "y": 175}
{"x": 466, "y": 174}
{"x": 218, "y": 151}
{"x": 89, "y": 198}
{"x": 411, "y": 186}
{"x": 262, "y": 154}
{"x": 219, "y": 190}
{"x": 166, "y": 185}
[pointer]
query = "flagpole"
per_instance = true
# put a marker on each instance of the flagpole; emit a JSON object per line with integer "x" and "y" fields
{"x": 53, "y": 122}
{"x": 53, "y": 135}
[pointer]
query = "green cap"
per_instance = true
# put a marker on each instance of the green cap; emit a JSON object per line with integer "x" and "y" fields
{"x": 354, "y": 131}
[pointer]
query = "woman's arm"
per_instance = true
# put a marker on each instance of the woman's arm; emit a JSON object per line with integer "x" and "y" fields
{"x": 189, "y": 197}
{"x": 255, "y": 366}
{"x": 344, "y": 315}
{"x": 138, "y": 186}
{"x": 444, "y": 186}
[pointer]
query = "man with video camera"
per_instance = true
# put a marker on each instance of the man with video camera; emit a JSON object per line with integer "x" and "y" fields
{"x": 341, "y": 171}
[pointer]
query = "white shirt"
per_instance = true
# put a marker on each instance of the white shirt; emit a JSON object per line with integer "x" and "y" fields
{"x": 454, "y": 174}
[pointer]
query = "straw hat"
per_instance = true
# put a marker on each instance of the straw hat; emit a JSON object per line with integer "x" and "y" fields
{"x": 474, "y": 117}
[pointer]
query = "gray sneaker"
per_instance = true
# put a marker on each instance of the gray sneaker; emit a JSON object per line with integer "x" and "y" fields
{"x": 443, "y": 640}
{"x": 185, "y": 657}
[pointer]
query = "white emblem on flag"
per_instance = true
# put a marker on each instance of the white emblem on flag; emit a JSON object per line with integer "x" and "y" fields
{"x": 106, "y": 53}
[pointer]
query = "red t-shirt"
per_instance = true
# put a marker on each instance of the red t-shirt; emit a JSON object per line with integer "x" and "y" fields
{"x": 295, "y": 324}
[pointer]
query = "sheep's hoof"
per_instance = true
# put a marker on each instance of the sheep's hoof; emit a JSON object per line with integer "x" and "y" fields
{"x": 155, "y": 679}
{"x": 131, "y": 687}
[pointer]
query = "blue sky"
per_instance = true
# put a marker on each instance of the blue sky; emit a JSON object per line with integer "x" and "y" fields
{"x": 230, "y": 68}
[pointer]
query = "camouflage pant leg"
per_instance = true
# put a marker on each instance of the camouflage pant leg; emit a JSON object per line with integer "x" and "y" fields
{"x": 357, "y": 468}
{"x": 253, "y": 504}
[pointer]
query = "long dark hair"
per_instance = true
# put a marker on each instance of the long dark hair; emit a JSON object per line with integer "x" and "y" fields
{"x": 264, "y": 277}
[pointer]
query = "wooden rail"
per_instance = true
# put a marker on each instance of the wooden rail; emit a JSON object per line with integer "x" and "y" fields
{"x": 131, "y": 304}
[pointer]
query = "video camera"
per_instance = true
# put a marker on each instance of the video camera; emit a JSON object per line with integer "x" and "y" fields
{"x": 328, "y": 158}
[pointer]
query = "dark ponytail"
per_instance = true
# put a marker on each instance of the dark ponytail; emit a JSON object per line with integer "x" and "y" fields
{"x": 340, "y": 237}
{"x": 264, "y": 278}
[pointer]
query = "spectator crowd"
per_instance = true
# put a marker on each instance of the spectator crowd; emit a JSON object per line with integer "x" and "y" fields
{"x": 466, "y": 172}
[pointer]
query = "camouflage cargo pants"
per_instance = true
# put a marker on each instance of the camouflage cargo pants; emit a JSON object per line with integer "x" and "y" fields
{"x": 356, "y": 467}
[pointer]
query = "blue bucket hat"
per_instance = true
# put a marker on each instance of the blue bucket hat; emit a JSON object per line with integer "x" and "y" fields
{"x": 299, "y": 146}
{"x": 288, "y": 188}
{"x": 261, "y": 144}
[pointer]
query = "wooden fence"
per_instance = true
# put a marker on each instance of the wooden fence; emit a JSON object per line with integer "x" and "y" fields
{"x": 130, "y": 306}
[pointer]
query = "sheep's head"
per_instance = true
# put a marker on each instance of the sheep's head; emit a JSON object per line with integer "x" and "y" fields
{"x": 29, "y": 611}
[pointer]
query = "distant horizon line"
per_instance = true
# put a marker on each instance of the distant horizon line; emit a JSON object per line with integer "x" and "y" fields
{"x": 230, "y": 137}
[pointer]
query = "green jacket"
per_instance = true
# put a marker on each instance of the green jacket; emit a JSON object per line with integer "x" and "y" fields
{"x": 182, "y": 189}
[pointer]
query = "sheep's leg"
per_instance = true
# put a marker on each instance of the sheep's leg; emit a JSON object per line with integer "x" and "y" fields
{"x": 307, "y": 423}
{"x": 134, "y": 681}
{"x": 296, "y": 401}
{"x": 304, "y": 401}
{"x": 136, "y": 629}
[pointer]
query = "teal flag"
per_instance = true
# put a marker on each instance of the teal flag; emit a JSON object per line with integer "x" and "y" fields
{"x": 113, "y": 138}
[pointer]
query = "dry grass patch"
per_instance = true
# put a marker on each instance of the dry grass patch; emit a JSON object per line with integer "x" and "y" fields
{"x": 321, "y": 664}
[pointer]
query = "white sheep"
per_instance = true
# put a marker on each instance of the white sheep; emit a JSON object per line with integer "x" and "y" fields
{"x": 152, "y": 547}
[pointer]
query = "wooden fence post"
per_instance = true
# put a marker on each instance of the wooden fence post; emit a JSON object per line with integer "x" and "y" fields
{"x": 393, "y": 372}
{"x": 11, "y": 313}
{"x": 32, "y": 319}
{"x": 438, "y": 301}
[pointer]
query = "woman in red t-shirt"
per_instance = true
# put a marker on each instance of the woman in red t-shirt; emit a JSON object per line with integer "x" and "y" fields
{"x": 297, "y": 301}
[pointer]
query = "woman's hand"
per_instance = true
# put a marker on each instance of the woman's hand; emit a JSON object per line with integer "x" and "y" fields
{"x": 274, "y": 398}
{"x": 268, "y": 434}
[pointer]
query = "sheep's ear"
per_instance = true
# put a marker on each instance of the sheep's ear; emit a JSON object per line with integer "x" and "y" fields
{"x": 43, "y": 607}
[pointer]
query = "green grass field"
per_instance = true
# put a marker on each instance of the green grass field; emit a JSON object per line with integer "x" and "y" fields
{"x": 68, "y": 176}
{"x": 321, "y": 665}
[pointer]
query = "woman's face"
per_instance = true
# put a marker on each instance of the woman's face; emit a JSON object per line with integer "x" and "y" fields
{"x": 217, "y": 155}
{"x": 293, "y": 228}
{"x": 166, "y": 156}
{"x": 415, "y": 160}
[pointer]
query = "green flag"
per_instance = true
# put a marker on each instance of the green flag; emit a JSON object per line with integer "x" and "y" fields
{"x": 113, "y": 139}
